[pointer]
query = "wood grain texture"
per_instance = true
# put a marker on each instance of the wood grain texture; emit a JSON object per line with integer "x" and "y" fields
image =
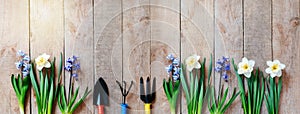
{"x": 257, "y": 33}
{"x": 79, "y": 42}
{"x": 165, "y": 39}
{"x": 229, "y": 40}
{"x": 286, "y": 33}
{"x": 197, "y": 33}
{"x": 108, "y": 48}
{"x": 136, "y": 48}
{"x": 14, "y": 35}
{"x": 46, "y": 33}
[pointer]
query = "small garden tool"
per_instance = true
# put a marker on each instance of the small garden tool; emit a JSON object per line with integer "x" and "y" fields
{"x": 100, "y": 97}
{"x": 124, "y": 106}
{"x": 149, "y": 96}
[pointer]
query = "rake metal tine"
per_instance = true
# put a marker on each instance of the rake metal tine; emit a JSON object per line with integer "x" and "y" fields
{"x": 129, "y": 88}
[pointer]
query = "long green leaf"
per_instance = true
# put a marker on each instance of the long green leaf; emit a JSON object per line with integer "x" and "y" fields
{"x": 63, "y": 98}
{"x": 73, "y": 98}
{"x": 241, "y": 87}
{"x": 44, "y": 91}
{"x": 191, "y": 84}
{"x": 80, "y": 100}
{"x": 220, "y": 105}
{"x": 35, "y": 88}
{"x": 15, "y": 86}
{"x": 184, "y": 85}
{"x": 234, "y": 96}
{"x": 166, "y": 89}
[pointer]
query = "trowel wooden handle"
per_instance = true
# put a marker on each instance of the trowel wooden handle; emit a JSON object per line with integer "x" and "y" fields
{"x": 100, "y": 109}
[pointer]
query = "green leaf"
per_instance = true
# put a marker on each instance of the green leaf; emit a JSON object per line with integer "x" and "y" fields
{"x": 45, "y": 90}
{"x": 241, "y": 87}
{"x": 234, "y": 96}
{"x": 73, "y": 98}
{"x": 210, "y": 69}
{"x": 220, "y": 105}
{"x": 15, "y": 86}
{"x": 35, "y": 87}
{"x": 191, "y": 84}
{"x": 20, "y": 83}
{"x": 184, "y": 85}
{"x": 62, "y": 94}
{"x": 80, "y": 100}
{"x": 166, "y": 89}
{"x": 59, "y": 104}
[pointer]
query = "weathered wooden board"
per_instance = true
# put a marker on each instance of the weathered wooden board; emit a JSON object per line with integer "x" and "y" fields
{"x": 108, "y": 48}
{"x": 197, "y": 32}
{"x": 165, "y": 39}
{"x": 79, "y": 39}
{"x": 136, "y": 48}
{"x": 257, "y": 33}
{"x": 14, "y": 35}
{"x": 46, "y": 33}
{"x": 229, "y": 40}
{"x": 286, "y": 33}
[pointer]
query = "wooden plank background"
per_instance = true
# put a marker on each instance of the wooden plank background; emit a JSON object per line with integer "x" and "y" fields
{"x": 128, "y": 39}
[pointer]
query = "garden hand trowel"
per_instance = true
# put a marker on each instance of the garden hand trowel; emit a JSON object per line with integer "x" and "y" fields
{"x": 100, "y": 97}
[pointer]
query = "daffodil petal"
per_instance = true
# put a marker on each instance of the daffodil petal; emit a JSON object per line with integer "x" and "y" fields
{"x": 47, "y": 65}
{"x": 268, "y": 70}
{"x": 197, "y": 57}
{"x": 244, "y": 60}
{"x": 276, "y": 61}
{"x": 189, "y": 68}
{"x": 240, "y": 71}
{"x": 45, "y": 56}
{"x": 282, "y": 66}
{"x": 251, "y": 63}
{"x": 279, "y": 73}
{"x": 197, "y": 65}
{"x": 240, "y": 65}
{"x": 272, "y": 75}
{"x": 39, "y": 67}
{"x": 269, "y": 63}
{"x": 247, "y": 74}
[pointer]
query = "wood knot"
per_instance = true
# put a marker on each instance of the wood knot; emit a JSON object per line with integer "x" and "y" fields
{"x": 145, "y": 18}
{"x": 295, "y": 21}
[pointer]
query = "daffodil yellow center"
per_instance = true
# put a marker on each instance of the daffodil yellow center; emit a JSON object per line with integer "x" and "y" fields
{"x": 245, "y": 66}
{"x": 41, "y": 61}
{"x": 274, "y": 67}
{"x": 192, "y": 61}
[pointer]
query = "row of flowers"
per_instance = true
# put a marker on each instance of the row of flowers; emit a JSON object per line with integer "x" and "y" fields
{"x": 199, "y": 89}
{"x": 46, "y": 89}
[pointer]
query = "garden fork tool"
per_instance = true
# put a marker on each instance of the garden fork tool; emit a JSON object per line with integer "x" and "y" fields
{"x": 149, "y": 96}
{"x": 124, "y": 106}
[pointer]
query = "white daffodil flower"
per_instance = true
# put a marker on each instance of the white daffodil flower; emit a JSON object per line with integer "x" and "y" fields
{"x": 275, "y": 68}
{"x": 246, "y": 67}
{"x": 193, "y": 62}
{"x": 42, "y": 61}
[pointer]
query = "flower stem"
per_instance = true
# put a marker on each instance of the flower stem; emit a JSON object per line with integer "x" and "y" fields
{"x": 173, "y": 111}
{"x": 219, "y": 92}
{"x": 70, "y": 81}
{"x": 22, "y": 111}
